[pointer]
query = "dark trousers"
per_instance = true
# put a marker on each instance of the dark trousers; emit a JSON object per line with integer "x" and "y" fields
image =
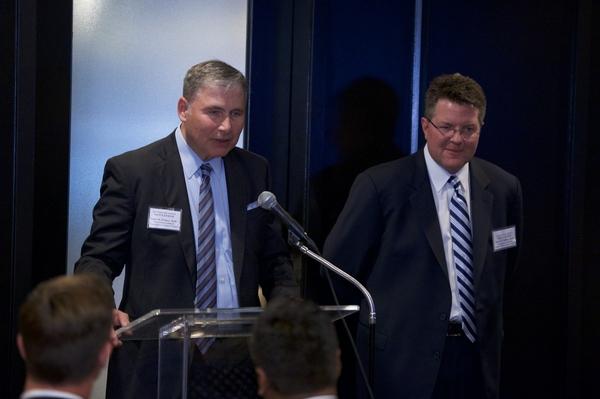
{"x": 460, "y": 374}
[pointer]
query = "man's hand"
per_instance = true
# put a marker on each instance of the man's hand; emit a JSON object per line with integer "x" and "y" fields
{"x": 120, "y": 319}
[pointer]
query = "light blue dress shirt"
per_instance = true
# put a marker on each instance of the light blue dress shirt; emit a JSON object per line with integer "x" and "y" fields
{"x": 191, "y": 162}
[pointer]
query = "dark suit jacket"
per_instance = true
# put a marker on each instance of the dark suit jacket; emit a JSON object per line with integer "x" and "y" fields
{"x": 160, "y": 264}
{"x": 388, "y": 235}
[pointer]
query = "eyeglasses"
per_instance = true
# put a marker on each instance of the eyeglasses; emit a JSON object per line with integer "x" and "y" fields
{"x": 448, "y": 130}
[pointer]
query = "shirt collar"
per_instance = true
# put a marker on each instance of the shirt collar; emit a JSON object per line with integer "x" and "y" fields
{"x": 191, "y": 161}
{"x": 439, "y": 176}
{"x": 48, "y": 393}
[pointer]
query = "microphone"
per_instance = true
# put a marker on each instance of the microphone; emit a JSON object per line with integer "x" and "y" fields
{"x": 268, "y": 201}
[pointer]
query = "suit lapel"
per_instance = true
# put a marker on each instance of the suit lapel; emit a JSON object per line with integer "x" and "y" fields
{"x": 424, "y": 206}
{"x": 237, "y": 193}
{"x": 172, "y": 182}
{"x": 481, "y": 210}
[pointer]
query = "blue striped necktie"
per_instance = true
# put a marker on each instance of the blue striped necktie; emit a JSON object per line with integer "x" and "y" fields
{"x": 206, "y": 268}
{"x": 462, "y": 250}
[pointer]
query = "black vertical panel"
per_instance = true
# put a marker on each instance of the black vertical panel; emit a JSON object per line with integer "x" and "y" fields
{"x": 280, "y": 48}
{"x": 590, "y": 309}
{"x": 270, "y": 38}
{"x": 19, "y": 194}
{"x": 52, "y": 139}
{"x": 301, "y": 106}
{"x": 577, "y": 190}
{"x": 280, "y": 73}
{"x": 35, "y": 114}
{"x": 7, "y": 139}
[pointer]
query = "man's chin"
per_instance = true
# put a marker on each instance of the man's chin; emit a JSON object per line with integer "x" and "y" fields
{"x": 222, "y": 151}
{"x": 454, "y": 165}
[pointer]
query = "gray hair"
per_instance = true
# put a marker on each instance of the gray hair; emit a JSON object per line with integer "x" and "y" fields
{"x": 212, "y": 72}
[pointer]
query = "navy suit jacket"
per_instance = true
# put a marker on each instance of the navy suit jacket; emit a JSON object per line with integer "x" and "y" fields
{"x": 160, "y": 265}
{"x": 388, "y": 236}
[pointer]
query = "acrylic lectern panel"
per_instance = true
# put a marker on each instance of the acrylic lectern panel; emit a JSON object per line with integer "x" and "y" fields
{"x": 176, "y": 331}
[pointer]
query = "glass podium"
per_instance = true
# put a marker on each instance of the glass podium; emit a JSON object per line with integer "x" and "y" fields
{"x": 176, "y": 330}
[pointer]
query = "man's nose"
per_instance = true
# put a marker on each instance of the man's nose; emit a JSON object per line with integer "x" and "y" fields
{"x": 225, "y": 123}
{"x": 456, "y": 135}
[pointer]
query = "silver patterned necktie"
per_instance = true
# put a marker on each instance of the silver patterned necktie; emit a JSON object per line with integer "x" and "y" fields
{"x": 206, "y": 269}
{"x": 462, "y": 250}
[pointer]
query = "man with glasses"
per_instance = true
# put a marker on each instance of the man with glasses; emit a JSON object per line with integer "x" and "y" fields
{"x": 434, "y": 236}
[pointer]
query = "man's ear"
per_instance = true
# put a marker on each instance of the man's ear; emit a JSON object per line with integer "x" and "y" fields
{"x": 263, "y": 381}
{"x": 425, "y": 126}
{"x": 21, "y": 346}
{"x": 182, "y": 107}
{"x": 103, "y": 357}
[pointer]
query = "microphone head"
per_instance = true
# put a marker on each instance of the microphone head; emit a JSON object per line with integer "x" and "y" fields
{"x": 267, "y": 200}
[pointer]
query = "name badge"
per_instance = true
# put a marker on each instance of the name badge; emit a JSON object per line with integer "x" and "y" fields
{"x": 504, "y": 238}
{"x": 164, "y": 219}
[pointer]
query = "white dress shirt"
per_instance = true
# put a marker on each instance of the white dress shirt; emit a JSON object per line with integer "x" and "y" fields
{"x": 442, "y": 194}
{"x": 48, "y": 393}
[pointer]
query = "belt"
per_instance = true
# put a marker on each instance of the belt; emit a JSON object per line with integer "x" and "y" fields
{"x": 455, "y": 330}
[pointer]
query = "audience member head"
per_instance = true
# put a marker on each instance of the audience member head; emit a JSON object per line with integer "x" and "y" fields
{"x": 65, "y": 328}
{"x": 295, "y": 350}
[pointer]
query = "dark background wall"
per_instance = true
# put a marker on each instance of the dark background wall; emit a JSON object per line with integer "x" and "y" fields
{"x": 330, "y": 95}
{"x": 34, "y": 120}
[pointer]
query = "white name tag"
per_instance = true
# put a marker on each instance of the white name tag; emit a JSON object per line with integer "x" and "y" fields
{"x": 504, "y": 238}
{"x": 164, "y": 219}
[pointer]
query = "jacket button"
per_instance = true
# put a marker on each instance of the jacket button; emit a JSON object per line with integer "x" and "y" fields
{"x": 436, "y": 355}
{"x": 443, "y": 316}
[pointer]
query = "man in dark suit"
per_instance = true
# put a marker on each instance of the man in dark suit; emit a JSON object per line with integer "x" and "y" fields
{"x": 65, "y": 336}
{"x": 433, "y": 236}
{"x": 180, "y": 216}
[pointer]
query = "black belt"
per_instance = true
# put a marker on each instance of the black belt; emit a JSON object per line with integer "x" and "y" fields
{"x": 455, "y": 330}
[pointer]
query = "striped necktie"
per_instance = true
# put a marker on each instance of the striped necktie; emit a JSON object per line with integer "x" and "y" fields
{"x": 460, "y": 231}
{"x": 206, "y": 269}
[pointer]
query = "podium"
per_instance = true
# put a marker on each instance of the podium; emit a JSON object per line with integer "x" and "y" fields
{"x": 176, "y": 330}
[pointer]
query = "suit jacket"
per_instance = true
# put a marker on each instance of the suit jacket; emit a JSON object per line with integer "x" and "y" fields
{"x": 160, "y": 265}
{"x": 388, "y": 236}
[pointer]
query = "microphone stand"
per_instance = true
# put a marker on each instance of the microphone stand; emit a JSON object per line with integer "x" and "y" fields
{"x": 294, "y": 241}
